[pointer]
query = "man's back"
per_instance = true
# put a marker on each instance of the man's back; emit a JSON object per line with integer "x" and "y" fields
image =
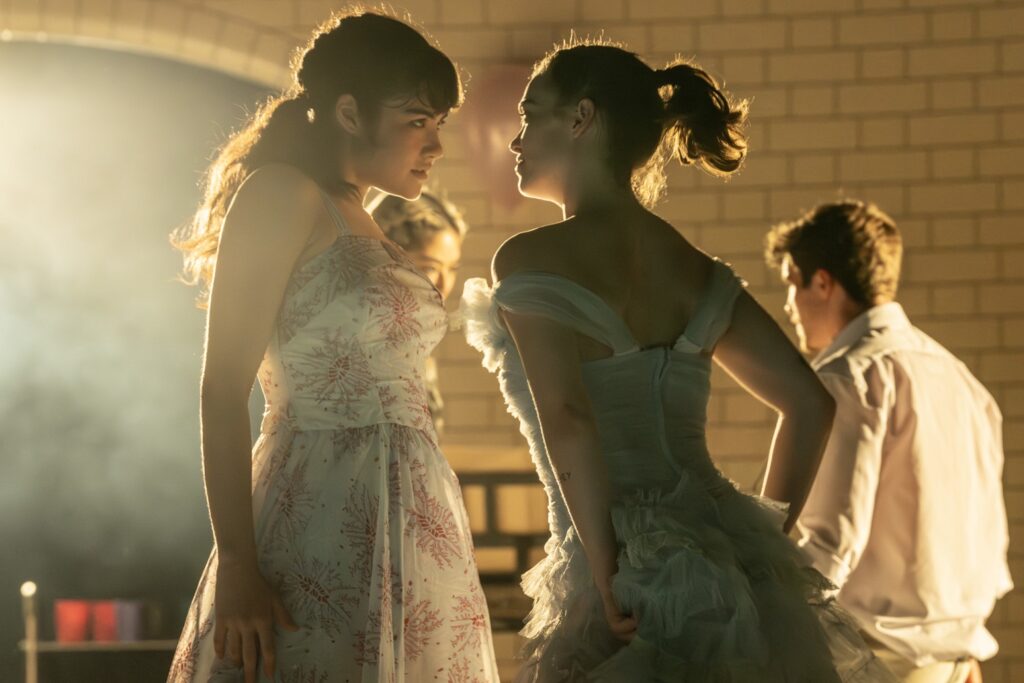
{"x": 907, "y": 512}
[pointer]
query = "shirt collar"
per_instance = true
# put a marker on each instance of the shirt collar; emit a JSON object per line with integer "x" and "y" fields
{"x": 875, "y": 318}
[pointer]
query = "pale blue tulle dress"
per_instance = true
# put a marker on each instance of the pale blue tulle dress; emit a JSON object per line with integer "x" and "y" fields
{"x": 720, "y": 593}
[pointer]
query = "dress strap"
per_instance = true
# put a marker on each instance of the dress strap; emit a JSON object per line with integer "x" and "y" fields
{"x": 332, "y": 210}
{"x": 566, "y": 302}
{"x": 714, "y": 312}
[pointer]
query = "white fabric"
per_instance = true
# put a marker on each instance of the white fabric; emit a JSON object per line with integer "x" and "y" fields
{"x": 720, "y": 594}
{"x": 906, "y": 514}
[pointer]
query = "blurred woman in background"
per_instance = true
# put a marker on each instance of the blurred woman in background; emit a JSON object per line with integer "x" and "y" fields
{"x": 431, "y": 231}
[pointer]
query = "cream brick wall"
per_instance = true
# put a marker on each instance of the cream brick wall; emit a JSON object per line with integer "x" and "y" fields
{"x": 916, "y": 104}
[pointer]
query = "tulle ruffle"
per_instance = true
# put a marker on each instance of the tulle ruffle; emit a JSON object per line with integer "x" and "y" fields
{"x": 720, "y": 594}
{"x": 483, "y": 327}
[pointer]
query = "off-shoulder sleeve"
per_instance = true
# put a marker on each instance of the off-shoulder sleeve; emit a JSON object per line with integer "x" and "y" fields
{"x": 565, "y": 302}
{"x": 484, "y": 329}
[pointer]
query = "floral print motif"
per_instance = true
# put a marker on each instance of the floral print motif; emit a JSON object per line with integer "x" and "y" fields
{"x": 379, "y": 624}
{"x": 432, "y": 524}
{"x": 183, "y": 665}
{"x": 335, "y": 371}
{"x": 352, "y": 499}
{"x": 422, "y": 619}
{"x": 302, "y": 674}
{"x": 459, "y": 673}
{"x": 394, "y": 310}
{"x": 469, "y": 623}
{"x": 317, "y": 596}
{"x": 360, "y": 529}
{"x": 293, "y": 507}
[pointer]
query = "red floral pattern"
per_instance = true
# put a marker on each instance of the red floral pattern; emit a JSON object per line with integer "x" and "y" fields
{"x": 469, "y": 623}
{"x": 335, "y": 371}
{"x": 293, "y": 506}
{"x": 351, "y": 496}
{"x": 420, "y": 623}
{"x": 459, "y": 673}
{"x": 432, "y": 524}
{"x": 317, "y": 596}
{"x": 394, "y": 310}
{"x": 360, "y": 529}
{"x": 303, "y": 674}
{"x": 184, "y": 662}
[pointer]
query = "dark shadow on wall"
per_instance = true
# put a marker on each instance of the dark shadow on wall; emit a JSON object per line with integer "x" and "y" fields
{"x": 100, "y": 487}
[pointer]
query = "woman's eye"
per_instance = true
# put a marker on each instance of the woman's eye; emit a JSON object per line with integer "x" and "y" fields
{"x": 419, "y": 123}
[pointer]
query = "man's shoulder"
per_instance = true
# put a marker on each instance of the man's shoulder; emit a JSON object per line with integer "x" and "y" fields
{"x": 863, "y": 354}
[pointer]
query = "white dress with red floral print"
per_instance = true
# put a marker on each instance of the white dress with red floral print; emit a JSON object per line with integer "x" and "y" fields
{"x": 359, "y": 519}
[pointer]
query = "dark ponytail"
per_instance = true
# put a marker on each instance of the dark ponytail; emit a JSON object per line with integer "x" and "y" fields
{"x": 652, "y": 115}
{"x": 374, "y": 58}
{"x": 701, "y": 126}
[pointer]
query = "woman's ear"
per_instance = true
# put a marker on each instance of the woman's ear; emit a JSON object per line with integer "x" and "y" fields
{"x": 584, "y": 117}
{"x": 346, "y": 112}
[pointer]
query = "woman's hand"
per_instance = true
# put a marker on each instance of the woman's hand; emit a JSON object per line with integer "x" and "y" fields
{"x": 245, "y": 612}
{"x": 623, "y": 626}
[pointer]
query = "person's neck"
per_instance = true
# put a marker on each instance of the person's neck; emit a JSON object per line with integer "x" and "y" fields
{"x": 354, "y": 190}
{"x": 596, "y": 192}
{"x": 845, "y": 313}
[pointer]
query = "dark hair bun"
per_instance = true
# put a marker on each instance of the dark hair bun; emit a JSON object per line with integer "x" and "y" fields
{"x": 702, "y": 126}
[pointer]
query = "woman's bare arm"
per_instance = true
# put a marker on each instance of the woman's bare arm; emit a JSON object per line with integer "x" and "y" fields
{"x": 550, "y": 356}
{"x": 266, "y": 229}
{"x": 756, "y": 353}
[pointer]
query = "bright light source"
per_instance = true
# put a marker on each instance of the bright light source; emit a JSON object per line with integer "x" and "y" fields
{"x": 28, "y": 589}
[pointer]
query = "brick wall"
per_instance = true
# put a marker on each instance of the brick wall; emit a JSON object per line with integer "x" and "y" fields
{"x": 915, "y": 104}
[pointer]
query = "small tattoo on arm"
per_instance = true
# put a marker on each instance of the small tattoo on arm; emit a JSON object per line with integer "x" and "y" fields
{"x": 564, "y": 476}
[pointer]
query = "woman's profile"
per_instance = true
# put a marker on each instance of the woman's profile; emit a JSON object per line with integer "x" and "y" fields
{"x": 602, "y": 329}
{"x": 342, "y": 547}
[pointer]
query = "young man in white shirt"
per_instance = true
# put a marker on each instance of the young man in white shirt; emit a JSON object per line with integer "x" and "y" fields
{"x": 906, "y": 515}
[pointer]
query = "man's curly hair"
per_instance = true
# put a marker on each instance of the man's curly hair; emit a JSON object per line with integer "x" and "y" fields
{"x": 853, "y": 241}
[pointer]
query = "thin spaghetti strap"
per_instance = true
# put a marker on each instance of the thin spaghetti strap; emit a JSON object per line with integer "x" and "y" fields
{"x": 339, "y": 220}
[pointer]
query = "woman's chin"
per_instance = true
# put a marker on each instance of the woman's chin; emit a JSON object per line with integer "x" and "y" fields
{"x": 532, "y": 192}
{"x": 406, "y": 190}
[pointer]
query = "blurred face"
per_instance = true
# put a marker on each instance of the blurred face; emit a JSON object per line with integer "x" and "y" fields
{"x": 439, "y": 260}
{"x": 807, "y": 308}
{"x": 405, "y": 146}
{"x": 542, "y": 145}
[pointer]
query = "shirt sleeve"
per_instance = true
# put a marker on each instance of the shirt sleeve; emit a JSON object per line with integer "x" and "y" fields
{"x": 835, "y": 523}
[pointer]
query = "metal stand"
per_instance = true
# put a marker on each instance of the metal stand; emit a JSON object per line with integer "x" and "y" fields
{"x": 32, "y": 646}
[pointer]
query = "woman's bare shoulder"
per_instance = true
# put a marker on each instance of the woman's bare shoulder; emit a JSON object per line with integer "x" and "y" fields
{"x": 535, "y": 249}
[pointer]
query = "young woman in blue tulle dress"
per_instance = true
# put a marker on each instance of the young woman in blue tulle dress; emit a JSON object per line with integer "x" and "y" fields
{"x": 602, "y": 329}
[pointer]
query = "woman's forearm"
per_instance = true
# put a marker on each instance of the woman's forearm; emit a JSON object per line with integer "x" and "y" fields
{"x": 227, "y": 473}
{"x": 574, "y": 448}
{"x": 800, "y": 438}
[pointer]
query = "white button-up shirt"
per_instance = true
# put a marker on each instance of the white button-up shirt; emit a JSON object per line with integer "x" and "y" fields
{"x": 906, "y": 514}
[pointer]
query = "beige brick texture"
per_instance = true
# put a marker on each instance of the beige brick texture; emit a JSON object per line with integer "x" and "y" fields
{"x": 915, "y": 104}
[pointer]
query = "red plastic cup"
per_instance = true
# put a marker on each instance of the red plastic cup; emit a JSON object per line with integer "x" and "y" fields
{"x": 104, "y": 620}
{"x": 71, "y": 618}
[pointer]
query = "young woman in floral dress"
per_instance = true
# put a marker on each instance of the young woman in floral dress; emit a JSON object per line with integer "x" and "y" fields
{"x": 343, "y": 551}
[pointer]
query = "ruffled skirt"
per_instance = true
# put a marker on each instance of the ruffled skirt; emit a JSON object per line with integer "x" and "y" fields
{"x": 720, "y": 595}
